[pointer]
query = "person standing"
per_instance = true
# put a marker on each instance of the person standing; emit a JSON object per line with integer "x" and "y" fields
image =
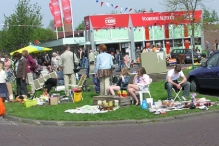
{"x": 31, "y": 66}
{"x": 91, "y": 59}
{"x": 54, "y": 61}
{"x": 207, "y": 49}
{"x": 127, "y": 60}
{"x": 216, "y": 45}
{"x": 138, "y": 50}
{"x": 20, "y": 71}
{"x": 81, "y": 57}
{"x": 103, "y": 69}
{"x": 7, "y": 66}
{"x": 119, "y": 60}
{"x": 66, "y": 62}
{"x": 46, "y": 60}
{"x": 3, "y": 87}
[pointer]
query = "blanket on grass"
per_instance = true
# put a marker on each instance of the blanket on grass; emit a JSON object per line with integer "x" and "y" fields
{"x": 87, "y": 109}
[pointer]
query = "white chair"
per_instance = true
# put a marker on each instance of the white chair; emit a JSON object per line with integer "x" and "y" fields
{"x": 177, "y": 93}
{"x": 145, "y": 90}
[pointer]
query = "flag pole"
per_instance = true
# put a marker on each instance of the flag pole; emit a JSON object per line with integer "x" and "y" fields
{"x": 57, "y": 35}
{"x": 72, "y": 26}
{"x": 63, "y": 27}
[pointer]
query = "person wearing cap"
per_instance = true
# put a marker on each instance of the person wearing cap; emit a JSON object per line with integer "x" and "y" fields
{"x": 172, "y": 82}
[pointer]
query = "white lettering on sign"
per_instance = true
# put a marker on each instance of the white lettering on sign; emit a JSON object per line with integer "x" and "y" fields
{"x": 87, "y": 23}
{"x": 110, "y": 21}
{"x": 158, "y": 18}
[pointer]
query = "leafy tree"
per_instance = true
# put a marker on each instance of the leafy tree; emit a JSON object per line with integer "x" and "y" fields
{"x": 20, "y": 25}
{"x": 209, "y": 16}
{"x": 189, "y": 6}
{"x": 80, "y": 26}
{"x": 42, "y": 35}
{"x": 151, "y": 10}
{"x": 51, "y": 25}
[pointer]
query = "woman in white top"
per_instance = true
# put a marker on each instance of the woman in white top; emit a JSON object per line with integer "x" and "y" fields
{"x": 3, "y": 87}
{"x": 54, "y": 61}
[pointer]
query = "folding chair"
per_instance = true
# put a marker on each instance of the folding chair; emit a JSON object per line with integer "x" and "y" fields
{"x": 46, "y": 77}
{"x": 53, "y": 75}
{"x": 38, "y": 86}
{"x": 177, "y": 92}
{"x": 81, "y": 82}
{"x": 41, "y": 81}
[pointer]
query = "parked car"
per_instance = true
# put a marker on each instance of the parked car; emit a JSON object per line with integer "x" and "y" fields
{"x": 206, "y": 76}
{"x": 188, "y": 55}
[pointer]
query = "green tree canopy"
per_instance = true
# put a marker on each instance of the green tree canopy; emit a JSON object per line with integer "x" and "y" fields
{"x": 23, "y": 26}
{"x": 80, "y": 26}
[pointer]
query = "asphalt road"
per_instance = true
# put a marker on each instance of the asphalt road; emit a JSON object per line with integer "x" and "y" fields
{"x": 194, "y": 131}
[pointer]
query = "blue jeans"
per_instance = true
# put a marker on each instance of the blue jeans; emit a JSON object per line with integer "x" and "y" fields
{"x": 185, "y": 86}
{"x": 9, "y": 74}
{"x": 86, "y": 62}
{"x": 82, "y": 63}
{"x": 88, "y": 70}
{"x": 119, "y": 65}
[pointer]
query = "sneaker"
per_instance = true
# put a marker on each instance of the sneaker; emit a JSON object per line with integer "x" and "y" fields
{"x": 170, "y": 98}
{"x": 183, "y": 98}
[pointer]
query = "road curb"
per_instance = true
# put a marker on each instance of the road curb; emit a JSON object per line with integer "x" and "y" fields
{"x": 99, "y": 123}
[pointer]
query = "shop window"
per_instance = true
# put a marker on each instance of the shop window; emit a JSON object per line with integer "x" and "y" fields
{"x": 197, "y": 41}
{"x": 178, "y": 43}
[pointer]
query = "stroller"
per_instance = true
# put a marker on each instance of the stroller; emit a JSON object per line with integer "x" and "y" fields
{"x": 96, "y": 82}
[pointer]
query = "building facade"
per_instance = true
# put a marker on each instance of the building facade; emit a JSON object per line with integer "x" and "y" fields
{"x": 172, "y": 30}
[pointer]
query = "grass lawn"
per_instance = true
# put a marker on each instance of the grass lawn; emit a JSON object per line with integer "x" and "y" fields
{"x": 132, "y": 112}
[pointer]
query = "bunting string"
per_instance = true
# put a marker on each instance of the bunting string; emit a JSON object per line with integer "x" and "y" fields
{"x": 20, "y": 25}
{"x": 115, "y": 6}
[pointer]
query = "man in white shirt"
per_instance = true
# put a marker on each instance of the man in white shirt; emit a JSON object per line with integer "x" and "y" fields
{"x": 172, "y": 82}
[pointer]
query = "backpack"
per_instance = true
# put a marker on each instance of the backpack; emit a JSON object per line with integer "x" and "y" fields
{"x": 2, "y": 107}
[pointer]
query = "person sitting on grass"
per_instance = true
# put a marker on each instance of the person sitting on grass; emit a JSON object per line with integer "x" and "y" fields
{"x": 172, "y": 82}
{"x": 140, "y": 80}
{"x": 121, "y": 84}
{"x": 60, "y": 76}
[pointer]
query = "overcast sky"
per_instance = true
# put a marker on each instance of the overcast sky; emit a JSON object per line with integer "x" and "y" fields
{"x": 82, "y": 8}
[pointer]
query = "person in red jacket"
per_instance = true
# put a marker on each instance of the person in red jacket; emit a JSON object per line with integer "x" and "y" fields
{"x": 31, "y": 65}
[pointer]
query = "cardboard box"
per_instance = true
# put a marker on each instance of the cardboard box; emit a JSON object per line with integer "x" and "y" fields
{"x": 53, "y": 100}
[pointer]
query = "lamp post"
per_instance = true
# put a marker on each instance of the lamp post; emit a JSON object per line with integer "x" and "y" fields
{"x": 193, "y": 46}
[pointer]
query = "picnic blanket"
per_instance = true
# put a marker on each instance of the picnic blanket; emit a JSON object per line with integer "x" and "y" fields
{"x": 87, "y": 109}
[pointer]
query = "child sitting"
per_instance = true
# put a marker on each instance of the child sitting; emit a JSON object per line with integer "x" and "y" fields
{"x": 121, "y": 84}
{"x": 60, "y": 78}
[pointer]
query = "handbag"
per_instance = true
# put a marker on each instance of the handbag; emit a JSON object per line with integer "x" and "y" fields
{"x": 76, "y": 67}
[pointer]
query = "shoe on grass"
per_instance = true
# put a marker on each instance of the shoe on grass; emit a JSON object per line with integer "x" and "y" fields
{"x": 170, "y": 98}
{"x": 183, "y": 98}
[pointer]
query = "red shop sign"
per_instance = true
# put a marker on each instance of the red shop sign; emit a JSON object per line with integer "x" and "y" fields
{"x": 163, "y": 18}
{"x": 109, "y": 21}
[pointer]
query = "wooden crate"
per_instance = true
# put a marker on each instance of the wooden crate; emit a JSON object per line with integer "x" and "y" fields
{"x": 122, "y": 101}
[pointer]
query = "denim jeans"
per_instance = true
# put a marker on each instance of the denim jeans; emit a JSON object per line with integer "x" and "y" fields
{"x": 185, "y": 86}
{"x": 86, "y": 62}
{"x": 82, "y": 63}
{"x": 88, "y": 70}
{"x": 119, "y": 65}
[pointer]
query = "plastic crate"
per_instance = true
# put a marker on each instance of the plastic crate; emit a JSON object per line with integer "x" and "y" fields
{"x": 29, "y": 103}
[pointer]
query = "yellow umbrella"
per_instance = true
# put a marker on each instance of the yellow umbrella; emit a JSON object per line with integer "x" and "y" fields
{"x": 32, "y": 49}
